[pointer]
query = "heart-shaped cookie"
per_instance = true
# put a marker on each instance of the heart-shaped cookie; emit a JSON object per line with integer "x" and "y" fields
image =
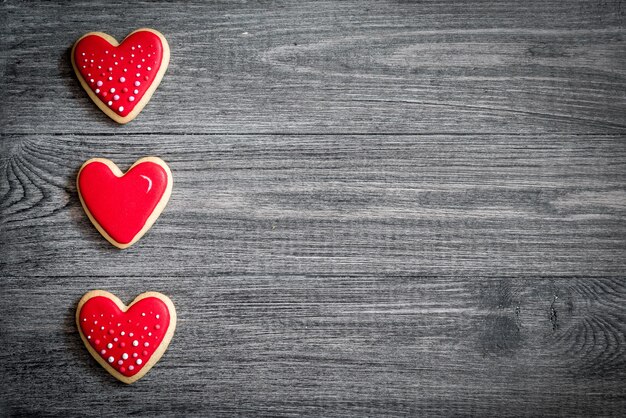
{"x": 126, "y": 340}
{"x": 124, "y": 206}
{"x": 121, "y": 78}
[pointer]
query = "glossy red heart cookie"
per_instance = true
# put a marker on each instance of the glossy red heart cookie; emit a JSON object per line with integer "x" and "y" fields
{"x": 126, "y": 340}
{"x": 121, "y": 78}
{"x": 124, "y": 206}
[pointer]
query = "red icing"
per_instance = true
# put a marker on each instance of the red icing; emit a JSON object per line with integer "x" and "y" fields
{"x": 97, "y": 60}
{"x": 140, "y": 320}
{"x": 122, "y": 205}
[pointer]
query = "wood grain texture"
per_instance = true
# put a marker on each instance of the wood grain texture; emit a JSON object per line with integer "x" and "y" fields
{"x": 379, "y": 209}
{"x": 458, "y": 66}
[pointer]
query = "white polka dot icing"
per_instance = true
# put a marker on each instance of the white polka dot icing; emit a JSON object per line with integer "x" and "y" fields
{"x": 116, "y": 65}
{"x": 119, "y": 342}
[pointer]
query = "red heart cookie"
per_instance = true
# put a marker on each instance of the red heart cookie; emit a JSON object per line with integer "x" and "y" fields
{"x": 124, "y": 206}
{"x": 126, "y": 340}
{"x": 120, "y": 78}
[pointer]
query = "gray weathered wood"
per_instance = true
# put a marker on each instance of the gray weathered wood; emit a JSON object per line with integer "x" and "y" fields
{"x": 541, "y": 66}
{"x": 379, "y": 209}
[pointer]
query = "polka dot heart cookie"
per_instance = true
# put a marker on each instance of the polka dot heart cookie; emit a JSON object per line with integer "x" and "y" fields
{"x": 121, "y": 206}
{"x": 126, "y": 340}
{"x": 121, "y": 77}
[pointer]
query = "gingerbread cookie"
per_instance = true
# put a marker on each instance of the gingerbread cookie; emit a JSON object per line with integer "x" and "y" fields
{"x": 124, "y": 206}
{"x": 126, "y": 340}
{"x": 121, "y": 78}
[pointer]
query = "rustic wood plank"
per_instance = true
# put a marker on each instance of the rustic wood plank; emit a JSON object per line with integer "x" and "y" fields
{"x": 541, "y": 66}
{"x": 292, "y": 345}
{"x": 380, "y": 208}
{"x": 432, "y": 205}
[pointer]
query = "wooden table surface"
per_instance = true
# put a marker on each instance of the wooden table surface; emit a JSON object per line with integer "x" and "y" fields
{"x": 379, "y": 208}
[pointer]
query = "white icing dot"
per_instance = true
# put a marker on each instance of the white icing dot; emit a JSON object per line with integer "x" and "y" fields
{"x": 120, "y": 362}
{"x": 111, "y": 359}
{"x": 110, "y": 103}
{"x": 112, "y": 90}
{"x": 83, "y": 54}
{"x": 90, "y": 60}
{"x": 106, "y": 52}
{"x": 122, "y": 333}
{"x": 110, "y": 78}
{"x": 89, "y": 337}
{"x": 99, "y": 83}
{"x": 84, "y": 319}
{"x": 132, "y": 47}
{"x": 119, "y": 324}
{"x": 158, "y": 316}
{"x": 137, "y": 84}
{"x": 125, "y": 356}
{"x": 145, "y": 329}
{"x": 122, "y": 79}
{"x": 136, "y": 91}
{"x": 110, "y": 68}
{"x": 146, "y": 344}
{"x": 125, "y": 70}
{"x": 149, "y": 68}
{"x": 121, "y": 108}
{"x": 109, "y": 346}
{"x": 95, "y": 322}
{"x": 115, "y": 62}
{"x": 149, "y": 334}
{"x": 148, "y": 55}
{"x": 139, "y": 362}
{"x": 102, "y": 328}
{"x": 143, "y": 314}
{"x": 137, "y": 75}
{"x": 103, "y": 352}
{"x": 114, "y": 55}
{"x": 135, "y": 355}
{"x": 138, "y": 46}
{"x": 116, "y": 97}
{"x": 130, "y": 335}
{"x": 84, "y": 66}
{"x": 131, "y": 99}
{"x": 99, "y": 67}
{"x": 132, "y": 55}
{"x": 115, "y": 339}
{"x": 138, "y": 65}
{"x": 135, "y": 343}
{"x": 97, "y": 91}
{"x": 143, "y": 60}
{"x": 131, "y": 367}
{"x": 91, "y": 81}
